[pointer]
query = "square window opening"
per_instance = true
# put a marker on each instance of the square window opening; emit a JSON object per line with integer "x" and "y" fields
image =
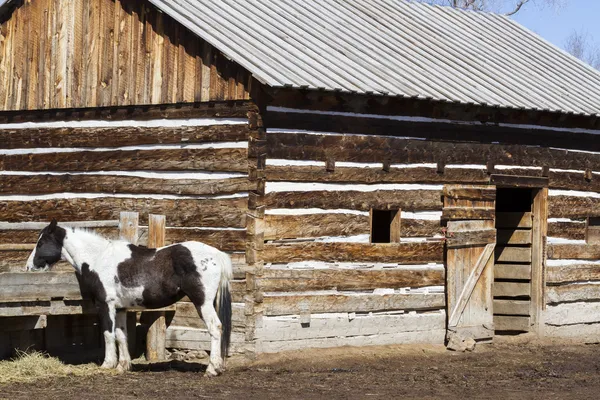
{"x": 385, "y": 226}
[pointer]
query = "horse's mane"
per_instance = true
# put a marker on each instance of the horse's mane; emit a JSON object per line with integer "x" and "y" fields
{"x": 91, "y": 232}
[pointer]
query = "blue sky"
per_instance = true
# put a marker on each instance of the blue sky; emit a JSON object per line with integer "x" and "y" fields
{"x": 556, "y": 25}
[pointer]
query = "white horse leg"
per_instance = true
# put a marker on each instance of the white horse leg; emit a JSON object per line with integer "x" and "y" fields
{"x": 209, "y": 315}
{"x": 121, "y": 336}
{"x": 108, "y": 317}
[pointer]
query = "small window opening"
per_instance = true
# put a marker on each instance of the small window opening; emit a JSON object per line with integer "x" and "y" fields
{"x": 592, "y": 231}
{"x": 385, "y": 226}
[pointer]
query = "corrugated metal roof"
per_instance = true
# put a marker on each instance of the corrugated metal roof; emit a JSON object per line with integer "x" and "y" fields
{"x": 393, "y": 47}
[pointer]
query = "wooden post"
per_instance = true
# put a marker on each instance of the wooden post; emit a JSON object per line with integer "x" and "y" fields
{"x": 157, "y": 332}
{"x": 395, "y": 225}
{"x": 129, "y": 226}
{"x": 538, "y": 276}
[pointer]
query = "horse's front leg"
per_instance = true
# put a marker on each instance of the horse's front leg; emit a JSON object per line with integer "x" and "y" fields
{"x": 121, "y": 336}
{"x": 108, "y": 324}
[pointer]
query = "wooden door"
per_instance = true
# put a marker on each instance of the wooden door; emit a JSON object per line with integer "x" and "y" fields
{"x": 470, "y": 239}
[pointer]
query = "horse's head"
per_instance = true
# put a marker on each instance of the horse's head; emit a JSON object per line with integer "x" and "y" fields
{"x": 48, "y": 250}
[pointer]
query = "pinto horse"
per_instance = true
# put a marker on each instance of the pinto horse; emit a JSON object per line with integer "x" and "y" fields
{"x": 121, "y": 275}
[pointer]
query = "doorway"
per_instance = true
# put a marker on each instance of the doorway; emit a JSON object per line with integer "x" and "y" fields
{"x": 518, "y": 260}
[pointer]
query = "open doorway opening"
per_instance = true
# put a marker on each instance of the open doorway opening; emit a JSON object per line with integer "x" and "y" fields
{"x": 516, "y": 260}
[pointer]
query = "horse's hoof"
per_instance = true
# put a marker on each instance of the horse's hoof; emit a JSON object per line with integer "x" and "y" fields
{"x": 211, "y": 372}
{"x": 124, "y": 366}
{"x": 107, "y": 366}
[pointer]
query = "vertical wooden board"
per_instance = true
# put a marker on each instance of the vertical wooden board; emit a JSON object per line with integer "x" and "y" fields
{"x": 33, "y": 49}
{"x": 93, "y": 58}
{"x": 5, "y": 39}
{"x": 206, "y": 80}
{"x": 156, "y": 231}
{"x": 17, "y": 65}
{"x": 395, "y": 227}
{"x": 138, "y": 53}
{"x": 538, "y": 248}
{"x": 148, "y": 37}
{"x": 106, "y": 46}
{"x": 116, "y": 47}
{"x": 157, "y": 59}
{"x": 190, "y": 75}
{"x": 76, "y": 66}
{"x": 129, "y": 226}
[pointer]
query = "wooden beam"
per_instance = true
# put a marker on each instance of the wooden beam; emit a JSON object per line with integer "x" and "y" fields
{"x": 573, "y": 292}
{"x": 519, "y": 181}
{"x": 459, "y": 213}
{"x": 512, "y": 271}
{"x": 157, "y": 330}
{"x": 538, "y": 257}
{"x": 460, "y": 192}
{"x": 506, "y": 254}
{"x": 573, "y": 273}
{"x": 511, "y": 289}
{"x": 512, "y": 307}
{"x": 470, "y": 238}
{"x": 512, "y": 323}
{"x": 129, "y": 226}
{"x": 401, "y": 253}
{"x": 332, "y": 303}
{"x": 563, "y": 251}
{"x": 290, "y": 280}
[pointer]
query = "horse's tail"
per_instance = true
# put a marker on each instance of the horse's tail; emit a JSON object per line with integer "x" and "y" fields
{"x": 223, "y": 301}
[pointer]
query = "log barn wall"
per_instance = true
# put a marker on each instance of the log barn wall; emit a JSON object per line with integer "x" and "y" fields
{"x": 189, "y": 163}
{"x": 99, "y": 53}
{"x": 319, "y": 283}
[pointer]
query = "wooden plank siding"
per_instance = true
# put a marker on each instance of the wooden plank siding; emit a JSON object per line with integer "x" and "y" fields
{"x": 71, "y": 54}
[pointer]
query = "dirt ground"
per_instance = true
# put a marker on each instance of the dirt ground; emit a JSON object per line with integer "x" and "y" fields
{"x": 506, "y": 370}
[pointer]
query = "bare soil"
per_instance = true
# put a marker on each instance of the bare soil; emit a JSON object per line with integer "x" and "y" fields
{"x": 506, "y": 370}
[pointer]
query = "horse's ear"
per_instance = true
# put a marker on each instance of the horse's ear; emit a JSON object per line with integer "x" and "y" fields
{"x": 53, "y": 225}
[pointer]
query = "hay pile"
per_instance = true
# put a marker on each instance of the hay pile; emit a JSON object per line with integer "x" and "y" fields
{"x": 33, "y": 365}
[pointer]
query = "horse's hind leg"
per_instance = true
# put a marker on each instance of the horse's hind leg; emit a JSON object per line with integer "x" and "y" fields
{"x": 211, "y": 319}
{"x": 121, "y": 336}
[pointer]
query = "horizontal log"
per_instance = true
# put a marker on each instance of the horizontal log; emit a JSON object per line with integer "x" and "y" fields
{"x": 45, "y": 184}
{"x": 572, "y": 313}
{"x": 513, "y": 254}
{"x": 572, "y": 292}
{"x": 184, "y": 212}
{"x": 514, "y": 237}
{"x": 39, "y": 286}
{"x": 370, "y": 149}
{"x": 562, "y": 251}
{"x": 53, "y": 307}
{"x": 213, "y": 109}
{"x": 31, "y": 236}
{"x": 470, "y": 193}
{"x": 339, "y": 325}
{"x": 460, "y": 213}
{"x": 510, "y": 323}
{"x": 426, "y": 175}
{"x": 407, "y": 200}
{"x": 278, "y": 227}
{"x": 567, "y": 230}
{"x": 401, "y": 253}
{"x": 519, "y": 181}
{"x": 582, "y": 333}
{"x": 331, "y": 303}
{"x": 120, "y": 136}
{"x": 224, "y": 240}
{"x": 511, "y": 289}
{"x": 470, "y": 238}
{"x": 186, "y": 315}
{"x": 573, "y": 273}
{"x": 514, "y": 220}
{"x": 288, "y": 280}
{"x": 512, "y": 271}
{"x": 511, "y": 307}
{"x": 228, "y": 160}
{"x": 436, "y": 130}
{"x": 573, "y": 207}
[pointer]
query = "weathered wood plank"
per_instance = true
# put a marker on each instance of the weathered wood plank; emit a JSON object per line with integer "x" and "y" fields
{"x": 32, "y": 235}
{"x": 42, "y": 286}
{"x": 510, "y": 323}
{"x": 224, "y": 240}
{"x": 460, "y": 192}
{"x": 519, "y": 181}
{"x": 459, "y": 213}
{"x": 408, "y": 200}
{"x": 402, "y": 253}
{"x": 512, "y": 271}
{"x": 513, "y": 254}
{"x": 514, "y": 237}
{"x": 514, "y": 220}
{"x": 192, "y": 212}
{"x": 226, "y": 160}
{"x": 120, "y": 136}
{"x": 511, "y": 289}
{"x": 572, "y": 292}
{"x": 340, "y": 325}
{"x": 278, "y": 227}
{"x": 470, "y": 238}
{"x": 562, "y": 251}
{"x": 289, "y": 280}
{"x": 573, "y": 273}
{"x": 512, "y": 307}
{"x": 330, "y": 303}
{"x": 369, "y": 149}
{"x": 572, "y": 313}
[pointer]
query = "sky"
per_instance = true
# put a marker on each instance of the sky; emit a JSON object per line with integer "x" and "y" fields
{"x": 557, "y": 25}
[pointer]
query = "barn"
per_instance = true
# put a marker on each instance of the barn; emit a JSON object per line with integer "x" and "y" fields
{"x": 381, "y": 171}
